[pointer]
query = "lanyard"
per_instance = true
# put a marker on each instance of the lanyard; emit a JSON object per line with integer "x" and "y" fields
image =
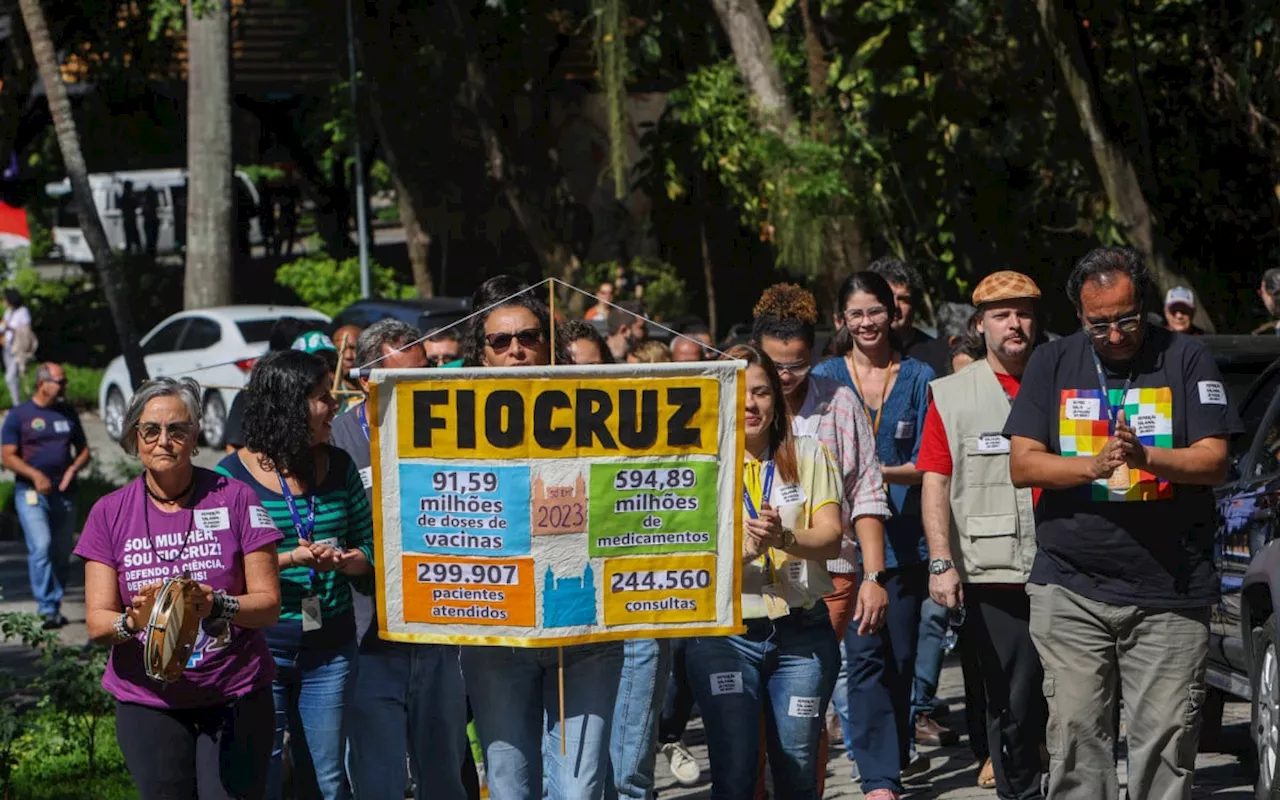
{"x": 304, "y": 531}
{"x": 766, "y": 489}
{"x": 1112, "y": 411}
{"x": 364, "y": 420}
{"x": 884, "y": 394}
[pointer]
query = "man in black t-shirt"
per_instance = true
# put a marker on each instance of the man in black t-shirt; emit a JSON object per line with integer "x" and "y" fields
{"x": 1125, "y": 427}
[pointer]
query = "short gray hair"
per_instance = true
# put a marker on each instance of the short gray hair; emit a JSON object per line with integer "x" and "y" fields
{"x": 953, "y": 319}
{"x": 391, "y": 332}
{"x": 186, "y": 390}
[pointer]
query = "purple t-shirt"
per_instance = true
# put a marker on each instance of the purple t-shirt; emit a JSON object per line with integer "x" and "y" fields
{"x": 225, "y": 522}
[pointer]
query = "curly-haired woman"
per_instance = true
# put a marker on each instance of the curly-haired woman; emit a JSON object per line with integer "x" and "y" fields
{"x": 514, "y": 691}
{"x": 314, "y": 495}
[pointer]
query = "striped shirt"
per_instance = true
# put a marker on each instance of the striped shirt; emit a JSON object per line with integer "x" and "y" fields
{"x": 344, "y": 519}
{"x": 832, "y": 414}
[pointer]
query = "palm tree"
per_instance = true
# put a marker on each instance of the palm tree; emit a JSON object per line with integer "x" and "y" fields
{"x": 64, "y": 126}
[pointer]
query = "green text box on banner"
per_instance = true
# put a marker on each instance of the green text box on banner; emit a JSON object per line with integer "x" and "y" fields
{"x": 646, "y": 508}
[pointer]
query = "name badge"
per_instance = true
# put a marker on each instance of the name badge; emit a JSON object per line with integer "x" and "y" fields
{"x": 61, "y": 426}
{"x": 366, "y": 477}
{"x": 992, "y": 444}
{"x": 331, "y": 541}
{"x": 905, "y": 430}
{"x": 787, "y": 495}
{"x": 213, "y": 519}
{"x": 312, "y": 617}
{"x": 1089, "y": 408}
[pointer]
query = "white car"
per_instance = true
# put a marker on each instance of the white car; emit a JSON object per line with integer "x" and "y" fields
{"x": 214, "y": 346}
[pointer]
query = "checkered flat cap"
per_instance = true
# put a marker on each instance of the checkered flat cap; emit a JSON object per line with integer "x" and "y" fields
{"x": 1005, "y": 285}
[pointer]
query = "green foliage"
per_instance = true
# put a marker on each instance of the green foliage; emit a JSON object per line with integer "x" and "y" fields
{"x": 329, "y": 285}
{"x": 82, "y": 385}
{"x": 666, "y": 296}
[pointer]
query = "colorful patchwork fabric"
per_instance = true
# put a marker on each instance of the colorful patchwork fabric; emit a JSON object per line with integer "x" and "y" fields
{"x": 1083, "y": 429}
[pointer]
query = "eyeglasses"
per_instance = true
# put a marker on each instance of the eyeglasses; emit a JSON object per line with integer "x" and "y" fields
{"x": 797, "y": 369}
{"x": 435, "y": 361}
{"x": 179, "y": 432}
{"x": 59, "y": 381}
{"x": 854, "y": 316}
{"x": 529, "y": 337}
{"x": 1101, "y": 330}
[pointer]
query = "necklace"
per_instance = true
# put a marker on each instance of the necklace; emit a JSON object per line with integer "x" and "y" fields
{"x": 146, "y": 522}
{"x": 884, "y": 392}
{"x": 154, "y": 495}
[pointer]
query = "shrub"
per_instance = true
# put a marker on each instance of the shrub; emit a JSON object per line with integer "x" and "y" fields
{"x": 328, "y": 285}
{"x": 82, "y": 385}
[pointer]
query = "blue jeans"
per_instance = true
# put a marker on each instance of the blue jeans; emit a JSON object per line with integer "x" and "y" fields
{"x": 633, "y": 745}
{"x": 782, "y": 670}
{"x": 312, "y": 690}
{"x": 409, "y": 698}
{"x": 881, "y": 668}
{"x": 515, "y": 699}
{"x": 48, "y": 527}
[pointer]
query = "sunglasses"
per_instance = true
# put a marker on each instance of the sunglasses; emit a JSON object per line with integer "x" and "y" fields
{"x": 59, "y": 381}
{"x": 179, "y": 432}
{"x": 435, "y": 361}
{"x": 1101, "y": 330}
{"x": 529, "y": 338}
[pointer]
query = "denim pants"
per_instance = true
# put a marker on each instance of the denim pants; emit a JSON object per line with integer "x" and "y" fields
{"x": 515, "y": 698}
{"x": 48, "y": 527}
{"x": 312, "y": 690}
{"x": 782, "y": 670}
{"x": 408, "y": 699}
{"x": 633, "y": 744}
{"x": 881, "y": 668}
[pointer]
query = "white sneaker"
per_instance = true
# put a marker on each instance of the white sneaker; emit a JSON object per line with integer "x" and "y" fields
{"x": 683, "y": 765}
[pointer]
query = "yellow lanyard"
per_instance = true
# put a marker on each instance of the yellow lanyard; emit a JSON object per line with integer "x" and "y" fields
{"x": 884, "y": 392}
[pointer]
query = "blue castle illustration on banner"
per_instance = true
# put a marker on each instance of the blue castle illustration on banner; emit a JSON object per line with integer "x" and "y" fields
{"x": 568, "y": 601}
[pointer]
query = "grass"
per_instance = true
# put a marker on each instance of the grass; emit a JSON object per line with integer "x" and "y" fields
{"x": 82, "y": 386}
{"x": 50, "y": 766}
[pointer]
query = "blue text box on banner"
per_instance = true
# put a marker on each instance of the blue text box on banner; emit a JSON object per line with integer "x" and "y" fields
{"x": 465, "y": 510}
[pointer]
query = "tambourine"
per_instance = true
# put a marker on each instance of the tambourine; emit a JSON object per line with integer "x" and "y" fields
{"x": 171, "y": 632}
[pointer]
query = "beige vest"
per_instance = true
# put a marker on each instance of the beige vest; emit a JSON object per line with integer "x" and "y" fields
{"x": 993, "y": 530}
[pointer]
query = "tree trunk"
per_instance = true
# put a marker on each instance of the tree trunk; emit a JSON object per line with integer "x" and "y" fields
{"x": 555, "y": 256}
{"x": 416, "y": 240}
{"x": 708, "y": 277}
{"x": 211, "y": 234}
{"x": 748, "y": 33}
{"x": 64, "y": 125}
{"x": 1119, "y": 177}
{"x": 821, "y": 119}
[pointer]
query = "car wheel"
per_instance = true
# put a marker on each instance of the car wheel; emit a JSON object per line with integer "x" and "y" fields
{"x": 113, "y": 414}
{"x": 213, "y": 425}
{"x": 1265, "y": 678}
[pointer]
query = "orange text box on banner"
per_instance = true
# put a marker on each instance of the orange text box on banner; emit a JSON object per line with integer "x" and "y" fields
{"x": 469, "y": 591}
{"x": 505, "y": 418}
{"x": 657, "y": 589}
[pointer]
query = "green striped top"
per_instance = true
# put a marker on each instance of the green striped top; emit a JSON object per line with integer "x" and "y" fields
{"x": 343, "y": 517}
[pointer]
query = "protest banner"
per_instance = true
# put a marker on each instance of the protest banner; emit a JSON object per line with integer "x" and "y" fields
{"x": 552, "y": 506}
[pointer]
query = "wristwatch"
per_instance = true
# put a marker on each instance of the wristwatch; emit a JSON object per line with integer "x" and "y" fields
{"x": 876, "y": 577}
{"x": 938, "y": 566}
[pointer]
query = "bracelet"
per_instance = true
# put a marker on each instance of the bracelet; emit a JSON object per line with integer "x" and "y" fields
{"x": 225, "y": 607}
{"x": 292, "y": 563}
{"x": 122, "y": 632}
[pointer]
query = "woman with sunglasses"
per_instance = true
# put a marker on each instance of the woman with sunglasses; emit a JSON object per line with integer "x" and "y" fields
{"x": 207, "y": 734}
{"x": 514, "y": 691}
{"x": 783, "y": 668}
{"x": 894, "y": 391}
{"x": 312, "y": 492}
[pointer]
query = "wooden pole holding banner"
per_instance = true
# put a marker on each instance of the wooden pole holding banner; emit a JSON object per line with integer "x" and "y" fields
{"x": 551, "y": 297}
{"x": 337, "y": 373}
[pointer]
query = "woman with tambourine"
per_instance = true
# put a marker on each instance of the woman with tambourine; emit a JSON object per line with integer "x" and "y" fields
{"x": 180, "y": 578}
{"x": 313, "y": 493}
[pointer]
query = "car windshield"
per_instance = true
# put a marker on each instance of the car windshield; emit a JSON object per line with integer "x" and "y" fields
{"x": 256, "y": 330}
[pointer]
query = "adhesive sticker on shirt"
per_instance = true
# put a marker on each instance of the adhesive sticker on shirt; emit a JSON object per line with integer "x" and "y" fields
{"x": 789, "y": 494}
{"x": 1212, "y": 393}
{"x": 726, "y": 683}
{"x": 259, "y": 518}
{"x": 213, "y": 519}
{"x": 62, "y": 426}
{"x": 1088, "y": 408}
{"x": 992, "y": 444}
{"x": 905, "y": 430}
{"x": 803, "y": 706}
{"x": 366, "y": 477}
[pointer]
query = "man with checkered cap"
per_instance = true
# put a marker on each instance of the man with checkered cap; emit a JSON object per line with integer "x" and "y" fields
{"x": 1124, "y": 429}
{"x": 981, "y": 530}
